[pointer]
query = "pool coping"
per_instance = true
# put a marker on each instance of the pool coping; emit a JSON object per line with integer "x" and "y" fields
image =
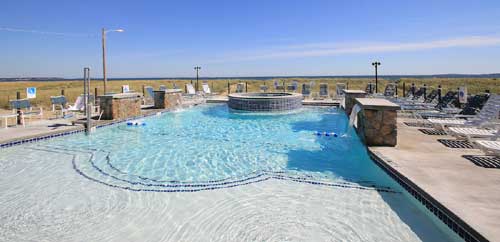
{"x": 450, "y": 219}
{"x": 55, "y": 134}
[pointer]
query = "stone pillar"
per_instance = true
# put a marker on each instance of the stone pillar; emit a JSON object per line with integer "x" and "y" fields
{"x": 120, "y": 106}
{"x": 168, "y": 99}
{"x": 376, "y": 121}
{"x": 350, "y": 96}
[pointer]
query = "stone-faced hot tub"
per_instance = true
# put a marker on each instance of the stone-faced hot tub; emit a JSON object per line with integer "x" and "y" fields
{"x": 265, "y": 101}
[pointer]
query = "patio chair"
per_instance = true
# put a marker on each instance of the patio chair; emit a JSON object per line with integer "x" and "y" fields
{"x": 292, "y": 87}
{"x": 240, "y": 87}
{"x": 163, "y": 88}
{"x": 263, "y": 88}
{"x": 470, "y": 132}
{"x": 490, "y": 147}
{"x": 306, "y": 90}
{"x": 78, "y": 106}
{"x": 489, "y": 115}
{"x": 206, "y": 89}
{"x": 323, "y": 90}
{"x": 190, "y": 89}
{"x": 390, "y": 90}
{"x": 278, "y": 86}
{"x": 58, "y": 103}
{"x": 28, "y": 111}
{"x": 339, "y": 90}
{"x": 370, "y": 88}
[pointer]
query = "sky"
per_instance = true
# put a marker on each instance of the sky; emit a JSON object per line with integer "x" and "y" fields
{"x": 249, "y": 38}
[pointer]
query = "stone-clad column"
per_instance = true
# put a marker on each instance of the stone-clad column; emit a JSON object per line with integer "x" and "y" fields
{"x": 120, "y": 106}
{"x": 167, "y": 99}
{"x": 376, "y": 121}
{"x": 350, "y": 96}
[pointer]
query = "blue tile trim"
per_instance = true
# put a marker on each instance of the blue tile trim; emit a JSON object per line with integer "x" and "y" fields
{"x": 456, "y": 224}
{"x": 50, "y": 136}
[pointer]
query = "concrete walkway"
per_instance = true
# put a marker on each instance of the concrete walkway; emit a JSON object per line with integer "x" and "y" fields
{"x": 469, "y": 191}
{"x": 36, "y": 128}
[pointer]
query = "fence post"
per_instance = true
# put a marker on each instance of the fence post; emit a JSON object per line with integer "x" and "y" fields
{"x": 439, "y": 94}
{"x": 404, "y": 89}
{"x": 246, "y": 86}
{"x": 62, "y": 92}
{"x": 228, "y": 88}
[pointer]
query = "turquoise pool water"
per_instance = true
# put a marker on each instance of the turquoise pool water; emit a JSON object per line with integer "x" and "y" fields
{"x": 226, "y": 160}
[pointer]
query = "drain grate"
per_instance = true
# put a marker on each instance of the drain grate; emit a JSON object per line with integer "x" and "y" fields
{"x": 432, "y": 131}
{"x": 486, "y": 161}
{"x": 456, "y": 144}
{"x": 415, "y": 124}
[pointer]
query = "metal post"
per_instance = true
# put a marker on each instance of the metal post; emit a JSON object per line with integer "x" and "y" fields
{"x": 197, "y": 68}
{"x": 425, "y": 91}
{"x": 376, "y": 64}
{"x": 18, "y": 111}
{"x": 439, "y": 94}
{"x": 104, "y": 77}
{"x": 86, "y": 93}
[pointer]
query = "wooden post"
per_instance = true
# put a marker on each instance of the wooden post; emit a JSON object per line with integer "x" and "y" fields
{"x": 143, "y": 90}
{"x": 404, "y": 89}
{"x": 439, "y": 94}
{"x": 228, "y": 88}
{"x": 62, "y": 92}
{"x": 246, "y": 86}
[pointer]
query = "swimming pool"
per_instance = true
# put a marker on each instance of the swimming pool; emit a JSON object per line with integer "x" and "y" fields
{"x": 209, "y": 173}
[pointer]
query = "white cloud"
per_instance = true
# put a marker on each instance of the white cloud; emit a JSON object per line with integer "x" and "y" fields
{"x": 332, "y": 49}
{"x": 46, "y": 32}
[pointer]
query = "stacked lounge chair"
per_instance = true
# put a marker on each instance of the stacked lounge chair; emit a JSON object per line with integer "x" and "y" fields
{"x": 488, "y": 115}
{"x": 339, "y": 90}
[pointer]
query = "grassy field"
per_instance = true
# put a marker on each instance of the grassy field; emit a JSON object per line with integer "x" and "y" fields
{"x": 74, "y": 88}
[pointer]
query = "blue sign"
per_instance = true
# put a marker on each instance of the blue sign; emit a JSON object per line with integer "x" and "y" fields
{"x": 31, "y": 92}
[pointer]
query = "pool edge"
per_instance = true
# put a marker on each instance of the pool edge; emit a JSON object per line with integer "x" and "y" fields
{"x": 454, "y": 222}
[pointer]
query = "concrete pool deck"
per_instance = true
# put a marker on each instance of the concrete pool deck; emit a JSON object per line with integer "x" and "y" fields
{"x": 470, "y": 192}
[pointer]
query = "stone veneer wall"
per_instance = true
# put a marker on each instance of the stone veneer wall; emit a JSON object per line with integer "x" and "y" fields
{"x": 262, "y": 104}
{"x": 119, "y": 108}
{"x": 350, "y": 100}
{"x": 167, "y": 100}
{"x": 377, "y": 127}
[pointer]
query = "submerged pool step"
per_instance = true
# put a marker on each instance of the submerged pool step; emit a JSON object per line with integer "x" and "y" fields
{"x": 96, "y": 165}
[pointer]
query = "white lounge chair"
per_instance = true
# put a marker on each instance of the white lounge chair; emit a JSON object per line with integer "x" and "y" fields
{"x": 206, "y": 89}
{"x": 190, "y": 89}
{"x": 489, "y": 115}
{"x": 467, "y": 133}
{"x": 339, "y": 90}
{"x": 240, "y": 87}
{"x": 490, "y": 147}
{"x": 79, "y": 105}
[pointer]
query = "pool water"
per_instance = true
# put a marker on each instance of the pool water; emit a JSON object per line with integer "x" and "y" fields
{"x": 209, "y": 173}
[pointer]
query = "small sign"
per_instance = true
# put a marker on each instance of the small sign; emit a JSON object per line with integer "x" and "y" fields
{"x": 462, "y": 94}
{"x": 31, "y": 92}
{"x": 125, "y": 89}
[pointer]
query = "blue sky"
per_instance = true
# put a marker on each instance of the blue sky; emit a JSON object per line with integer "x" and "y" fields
{"x": 249, "y": 38}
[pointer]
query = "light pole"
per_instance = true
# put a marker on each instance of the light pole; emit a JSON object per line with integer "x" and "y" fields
{"x": 197, "y": 68}
{"x": 104, "y": 31}
{"x": 376, "y": 64}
